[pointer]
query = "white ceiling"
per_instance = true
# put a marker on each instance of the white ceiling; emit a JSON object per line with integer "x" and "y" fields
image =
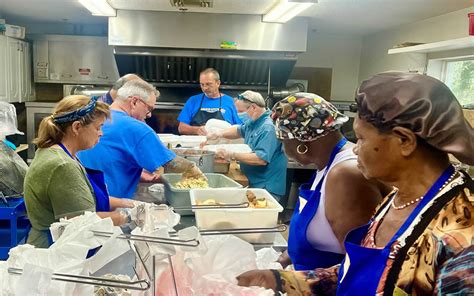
{"x": 349, "y": 16}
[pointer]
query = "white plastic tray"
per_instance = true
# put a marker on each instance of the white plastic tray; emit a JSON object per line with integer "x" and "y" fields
{"x": 237, "y": 218}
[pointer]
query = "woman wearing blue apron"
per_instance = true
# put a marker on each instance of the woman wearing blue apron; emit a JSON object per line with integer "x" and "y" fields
{"x": 309, "y": 126}
{"x": 419, "y": 242}
{"x": 56, "y": 184}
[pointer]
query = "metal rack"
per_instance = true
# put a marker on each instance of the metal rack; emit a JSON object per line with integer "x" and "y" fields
{"x": 139, "y": 284}
{"x": 144, "y": 255}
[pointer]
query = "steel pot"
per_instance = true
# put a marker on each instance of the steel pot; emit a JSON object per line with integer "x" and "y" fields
{"x": 203, "y": 159}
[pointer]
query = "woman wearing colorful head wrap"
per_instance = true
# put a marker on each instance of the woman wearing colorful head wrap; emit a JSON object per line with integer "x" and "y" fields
{"x": 56, "y": 184}
{"x": 419, "y": 242}
{"x": 338, "y": 198}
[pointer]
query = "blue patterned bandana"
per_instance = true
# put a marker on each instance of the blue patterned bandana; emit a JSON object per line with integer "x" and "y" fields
{"x": 76, "y": 114}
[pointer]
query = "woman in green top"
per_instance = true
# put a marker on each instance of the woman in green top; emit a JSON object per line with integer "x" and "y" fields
{"x": 56, "y": 184}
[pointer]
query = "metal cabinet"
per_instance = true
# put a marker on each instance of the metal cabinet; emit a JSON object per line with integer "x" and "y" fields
{"x": 15, "y": 70}
{"x": 73, "y": 59}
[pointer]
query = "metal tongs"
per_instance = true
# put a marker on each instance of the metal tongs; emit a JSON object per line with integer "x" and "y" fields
{"x": 241, "y": 205}
{"x": 150, "y": 239}
{"x": 203, "y": 232}
{"x": 141, "y": 285}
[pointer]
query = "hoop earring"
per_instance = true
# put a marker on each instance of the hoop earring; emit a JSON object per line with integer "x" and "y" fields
{"x": 302, "y": 146}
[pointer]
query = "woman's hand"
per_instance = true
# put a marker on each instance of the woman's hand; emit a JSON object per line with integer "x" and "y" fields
{"x": 260, "y": 278}
{"x": 284, "y": 259}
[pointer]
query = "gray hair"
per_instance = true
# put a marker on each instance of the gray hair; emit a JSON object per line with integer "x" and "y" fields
{"x": 138, "y": 88}
{"x": 250, "y": 97}
{"x": 213, "y": 71}
{"x": 122, "y": 80}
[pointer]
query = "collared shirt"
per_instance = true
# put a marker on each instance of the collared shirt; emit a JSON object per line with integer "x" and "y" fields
{"x": 260, "y": 135}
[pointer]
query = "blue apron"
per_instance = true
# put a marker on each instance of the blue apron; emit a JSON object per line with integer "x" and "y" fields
{"x": 366, "y": 265}
{"x": 202, "y": 116}
{"x": 303, "y": 255}
{"x": 96, "y": 178}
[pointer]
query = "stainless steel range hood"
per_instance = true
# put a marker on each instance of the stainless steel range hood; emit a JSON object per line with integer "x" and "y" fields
{"x": 171, "y": 49}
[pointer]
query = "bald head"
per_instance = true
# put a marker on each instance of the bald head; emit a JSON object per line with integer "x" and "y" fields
{"x": 121, "y": 81}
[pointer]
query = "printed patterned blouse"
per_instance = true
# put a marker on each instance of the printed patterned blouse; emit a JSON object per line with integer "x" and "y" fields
{"x": 438, "y": 259}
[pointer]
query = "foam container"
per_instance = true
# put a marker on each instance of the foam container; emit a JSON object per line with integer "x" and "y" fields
{"x": 237, "y": 218}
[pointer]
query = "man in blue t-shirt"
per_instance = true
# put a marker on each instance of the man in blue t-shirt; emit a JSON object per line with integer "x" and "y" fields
{"x": 128, "y": 145}
{"x": 110, "y": 96}
{"x": 208, "y": 105}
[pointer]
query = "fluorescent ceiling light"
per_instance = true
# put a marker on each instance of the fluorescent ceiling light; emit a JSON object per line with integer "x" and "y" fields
{"x": 98, "y": 7}
{"x": 285, "y": 10}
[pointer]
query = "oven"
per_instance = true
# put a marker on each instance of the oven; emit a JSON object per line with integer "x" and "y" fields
{"x": 35, "y": 112}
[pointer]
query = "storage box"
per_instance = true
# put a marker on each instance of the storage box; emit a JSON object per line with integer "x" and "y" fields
{"x": 13, "y": 31}
{"x": 14, "y": 225}
{"x": 177, "y": 197}
{"x": 237, "y": 218}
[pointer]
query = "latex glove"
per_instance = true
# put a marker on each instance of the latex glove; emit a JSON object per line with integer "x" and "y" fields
{"x": 133, "y": 216}
{"x": 125, "y": 216}
{"x": 262, "y": 278}
{"x": 193, "y": 172}
{"x": 214, "y": 135}
{"x": 223, "y": 154}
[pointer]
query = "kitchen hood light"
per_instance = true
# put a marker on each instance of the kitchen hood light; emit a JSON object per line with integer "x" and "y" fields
{"x": 285, "y": 10}
{"x": 99, "y": 7}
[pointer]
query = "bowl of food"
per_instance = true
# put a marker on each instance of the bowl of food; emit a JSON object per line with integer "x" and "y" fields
{"x": 262, "y": 211}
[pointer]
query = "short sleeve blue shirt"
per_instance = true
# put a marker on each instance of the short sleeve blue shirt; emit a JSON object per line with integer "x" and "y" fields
{"x": 228, "y": 109}
{"x": 126, "y": 148}
{"x": 260, "y": 135}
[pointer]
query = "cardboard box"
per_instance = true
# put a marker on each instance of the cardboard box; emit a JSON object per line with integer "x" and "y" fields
{"x": 12, "y": 31}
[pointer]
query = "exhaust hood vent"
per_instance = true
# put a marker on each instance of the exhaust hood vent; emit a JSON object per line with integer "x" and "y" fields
{"x": 182, "y": 68}
{"x": 170, "y": 48}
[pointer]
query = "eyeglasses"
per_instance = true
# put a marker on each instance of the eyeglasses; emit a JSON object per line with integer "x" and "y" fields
{"x": 149, "y": 108}
{"x": 242, "y": 98}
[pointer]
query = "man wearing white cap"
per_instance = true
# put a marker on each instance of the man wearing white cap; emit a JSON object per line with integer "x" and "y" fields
{"x": 267, "y": 161}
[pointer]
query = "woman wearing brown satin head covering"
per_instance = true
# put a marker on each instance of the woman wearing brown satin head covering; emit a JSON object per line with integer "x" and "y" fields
{"x": 419, "y": 241}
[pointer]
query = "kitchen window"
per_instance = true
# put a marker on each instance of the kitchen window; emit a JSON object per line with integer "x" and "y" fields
{"x": 459, "y": 77}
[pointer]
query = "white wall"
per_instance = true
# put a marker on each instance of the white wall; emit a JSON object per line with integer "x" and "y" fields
{"x": 374, "y": 57}
{"x": 339, "y": 52}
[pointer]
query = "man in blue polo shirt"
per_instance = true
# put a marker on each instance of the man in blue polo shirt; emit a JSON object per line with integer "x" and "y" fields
{"x": 265, "y": 166}
{"x": 210, "y": 104}
{"x": 129, "y": 145}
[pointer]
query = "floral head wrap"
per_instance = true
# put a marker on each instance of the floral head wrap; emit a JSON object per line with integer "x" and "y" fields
{"x": 305, "y": 117}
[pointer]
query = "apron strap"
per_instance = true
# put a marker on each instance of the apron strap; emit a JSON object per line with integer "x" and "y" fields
{"x": 437, "y": 206}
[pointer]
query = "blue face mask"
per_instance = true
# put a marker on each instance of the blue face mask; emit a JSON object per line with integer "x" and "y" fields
{"x": 244, "y": 117}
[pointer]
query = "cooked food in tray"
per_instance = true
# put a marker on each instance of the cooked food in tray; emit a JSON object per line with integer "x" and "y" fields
{"x": 192, "y": 183}
{"x": 208, "y": 202}
{"x": 254, "y": 201}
